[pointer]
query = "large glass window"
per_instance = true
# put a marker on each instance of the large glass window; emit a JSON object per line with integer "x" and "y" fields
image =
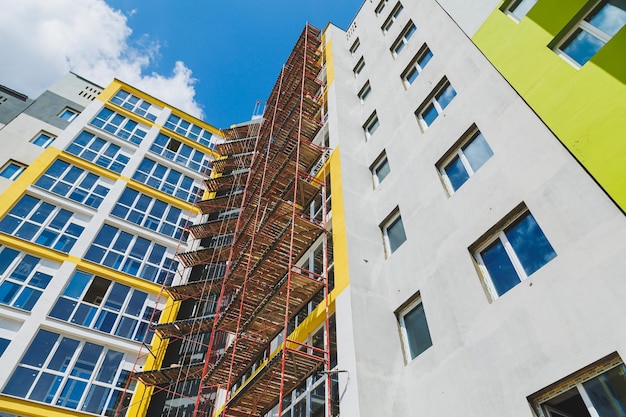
{"x": 136, "y": 105}
{"x": 465, "y": 160}
{"x": 43, "y": 223}
{"x": 594, "y": 31}
{"x": 23, "y": 278}
{"x": 414, "y": 330}
{"x": 517, "y": 251}
{"x": 75, "y": 183}
{"x": 73, "y": 374}
{"x": 178, "y": 152}
{"x": 596, "y": 391}
{"x": 189, "y": 130}
{"x": 120, "y": 126}
{"x": 105, "y": 154}
{"x": 168, "y": 180}
{"x": 133, "y": 255}
{"x": 428, "y": 112}
{"x": 151, "y": 213}
{"x": 403, "y": 39}
{"x": 107, "y": 306}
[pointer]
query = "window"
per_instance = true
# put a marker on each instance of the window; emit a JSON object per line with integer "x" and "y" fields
{"x": 517, "y": 9}
{"x": 393, "y": 16}
{"x": 178, "y": 152}
{"x": 381, "y": 6}
{"x": 416, "y": 66}
{"x": 75, "y": 183}
{"x": 594, "y": 31}
{"x": 514, "y": 252}
{"x": 12, "y": 169}
{"x": 393, "y": 232}
{"x": 364, "y": 92}
{"x": 23, "y": 278}
{"x": 110, "y": 307}
{"x": 105, "y": 154}
{"x": 463, "y": 160}
{"x": 120, "y": 126}
{"x": 189, "y": 130}
{"x": 133, "y": 255}
{"x": 403, "y": 39}
{"x": 414, "y": 329}
{"x": 167, "y": 180}
{"x": 42, "y": 139}
{"x": 73, "y": 374}
{"x": 68, "y": 114}
{"x": 434, "y": 105}
{"x": 355, "y": 46}
{"x": 359, "y": 67}
{"x": 598, "y": 390}
{"x": 151, "y": 213}
{"x": 371, "y": 125}
{"x": 136, "y": 105}
{"x": 4, "y": 344}
{"x": 40, "y": 222}
{"x": 380, "y": 169}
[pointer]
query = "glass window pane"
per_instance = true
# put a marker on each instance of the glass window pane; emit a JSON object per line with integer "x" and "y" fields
{"x": 382, "y": 170}
{"x": 429, "y": 114}
{"x": 530, "y": 244}
{"x": 39, "y": 349}
{"x": 46, "y": 388}
{"x": 396, "y": 235}
{"x": 86, "y": 362}
{"x": 610, "y": 18}
{"x": 501, "y": 270}
{"x": 582, "y": 46}
{"x": 63, "y": 355}
{"x": 96, "y": 398}
{"x": 445, "y": 97}
{"x": 20, "y": 382}
{"x": 456, "y": 173}
{"x": 608, "y": 392}
{"x": 417, "y": 333}
{"x": 477, "y": 152}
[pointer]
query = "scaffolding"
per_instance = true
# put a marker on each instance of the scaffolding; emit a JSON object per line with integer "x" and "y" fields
{"x": 245, "y": 284}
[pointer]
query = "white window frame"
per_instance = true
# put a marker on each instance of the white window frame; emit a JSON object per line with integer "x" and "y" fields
{"x": 73, "y": 114}
{"x": 371, "y": 125}
{"x": 403, "y": 40}
{"x": 134, "y": 136}
{"x": 433, "y": 99}
{"x": 49, "y": 139}
{"x": 355, "y": 46}
{"x": 186, "y": 128}
{"x": 378, "y": 163}
{"x": 393, "y": 16}
{"x": 136, "y": 105}
{"x": 119, "y": 160}
{"x": 457, "y": 150}
{"x": 365, "y": 91}
{"x": 400, "y": 314}
{"x": 415, "y": 66}
{"x": 20, "y": 169}
{"x": 584, "y": 26}
{"x": 384, "y": 227}
{"x": 358, "y": 68}
{"x": 380, "y": 7}
{"x": 510, "y": 8}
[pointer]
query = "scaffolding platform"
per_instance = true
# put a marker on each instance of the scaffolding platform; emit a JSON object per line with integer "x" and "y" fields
{"x": 185, "y": 327}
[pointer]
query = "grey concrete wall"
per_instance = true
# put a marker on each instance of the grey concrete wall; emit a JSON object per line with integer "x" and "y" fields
{"x": 487, "y": 356}
{"x": 11, "y": 104}
{"x": 49, "y": 105}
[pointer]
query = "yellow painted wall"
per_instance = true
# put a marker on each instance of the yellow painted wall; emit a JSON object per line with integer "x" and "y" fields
{"x": 585, "y": 107}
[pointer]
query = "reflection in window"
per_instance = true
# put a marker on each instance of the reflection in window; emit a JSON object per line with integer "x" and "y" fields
{"x": 594, "y": 31}
{"x": 105, "y": 154}
{"x": 120, "y": 126}
{"x": 178, "y": 152}
{"x": 465, "y": 161}
{"x": 43, "y": 139}
{"x": 416, "y": 66}
{"x": 434, "y": 106}
{"x": 11, "y": 170}
{"x": 107, "y": 306}
{"x": 136, "y": 105}
{"x": 72, "y": 374}
{"x": 517, "y": 252}
{"x": 167, "y": 180}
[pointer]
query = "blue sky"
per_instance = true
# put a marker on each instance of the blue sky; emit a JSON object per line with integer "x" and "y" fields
{"x": 210, "y": 58}
{"x": 235, "y": 48}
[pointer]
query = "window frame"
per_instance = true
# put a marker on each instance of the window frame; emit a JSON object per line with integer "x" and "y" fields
{"x": 457, "y": 150}
{"x": 380, "y": 7}
{"x": 371, "y": 125}
{"x": 401, "y": 313}
{"x": 402, "y": 41}
{"x": 50, "y": 138}
{"x": 200, "y": 165}
{"x": 385, "y": 225}
{"x": 12, "y": 176}
{"x": 498, "y": 233}
{"x": 433, "y": 100}
{"x": 364, "y": 91}
{"x": 102, "y": 156}
{"x": 582, "y": 25}
{"x": 380, "y": 161}
{"x": 177, "y": 190}
{"x": 511, "y": 6}
{"x": 135, "y": 104}
{"x": 416, "y": 66}
{"x": 72, "y": 114}
{"x": 358, "y": 68}
{"x": 355, "y": 46}
{"x": 135, "y": 135}
{"x": 391, "y": 19}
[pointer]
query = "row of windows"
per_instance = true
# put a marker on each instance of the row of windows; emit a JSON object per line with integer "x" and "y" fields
{"x": 180, "y": 153}
{"x": 94, "y": 149}
{"x": 120, "y": 126}
{"x": 72, "y": 374}
{"x": 189, "y": 130}
{"x": 135, "y": 104}
{"x": 168, "y": 180}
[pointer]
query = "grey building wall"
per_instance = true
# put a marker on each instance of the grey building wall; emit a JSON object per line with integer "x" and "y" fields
{"x": 12, "y": 103}
{"x": 487, "y": 355}
{"x": 49, "y": 105}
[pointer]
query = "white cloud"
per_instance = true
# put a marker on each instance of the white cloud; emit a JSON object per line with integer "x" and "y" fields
{"x": 41, "y": 40}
